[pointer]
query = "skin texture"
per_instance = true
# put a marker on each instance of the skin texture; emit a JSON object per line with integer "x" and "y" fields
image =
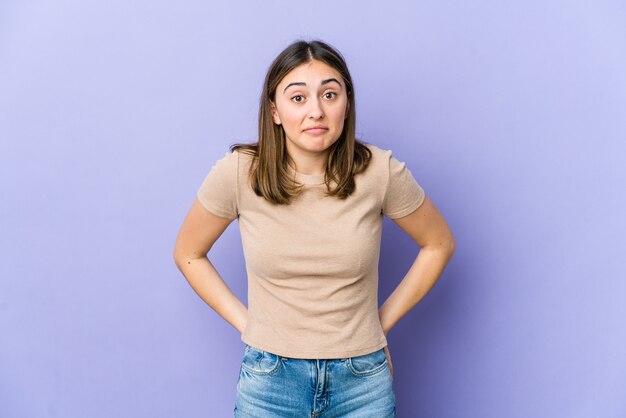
{"x": 298, "y": 108}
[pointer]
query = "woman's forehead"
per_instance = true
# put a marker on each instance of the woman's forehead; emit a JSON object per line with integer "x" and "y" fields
{"x": 311, "y": 70}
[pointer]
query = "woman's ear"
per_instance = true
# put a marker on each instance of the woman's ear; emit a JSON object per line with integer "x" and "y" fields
{"x": 274, "y": 113}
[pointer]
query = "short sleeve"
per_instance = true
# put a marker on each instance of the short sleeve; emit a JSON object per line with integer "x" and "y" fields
{"x": 403, "y": 194}
{"x": 218, "y": 191}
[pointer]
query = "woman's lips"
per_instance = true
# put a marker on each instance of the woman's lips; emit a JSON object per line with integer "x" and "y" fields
{"x": 316, "y": 131}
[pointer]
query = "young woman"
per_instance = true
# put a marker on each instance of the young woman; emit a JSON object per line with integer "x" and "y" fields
{"x": 310, "y": 199}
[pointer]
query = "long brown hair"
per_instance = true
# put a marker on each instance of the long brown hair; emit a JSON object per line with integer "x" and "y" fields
{"x": 269, "y": 171}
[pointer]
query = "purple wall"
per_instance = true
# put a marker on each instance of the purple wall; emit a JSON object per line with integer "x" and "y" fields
{"x": 512, "y": 117}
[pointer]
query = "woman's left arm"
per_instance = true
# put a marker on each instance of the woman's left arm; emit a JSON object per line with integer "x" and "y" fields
{"x": 431, "y": 232}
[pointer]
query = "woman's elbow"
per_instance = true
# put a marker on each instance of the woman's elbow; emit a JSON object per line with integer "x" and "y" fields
{"x": 445, "y": 245}
{"x": 451, "y": 245}
{"x": 178, "y": 257}
{"x": 448, "y": 245}
{"x": 183, "y": 255}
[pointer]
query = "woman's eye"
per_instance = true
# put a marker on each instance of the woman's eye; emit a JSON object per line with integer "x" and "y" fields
{"x": 331, "y": 93}
{"x": 296, "y": 97}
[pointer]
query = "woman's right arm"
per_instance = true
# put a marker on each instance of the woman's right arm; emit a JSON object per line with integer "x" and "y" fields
{"x": 199, "y": 231}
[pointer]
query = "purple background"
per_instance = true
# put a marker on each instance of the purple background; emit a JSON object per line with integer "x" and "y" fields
{"x": 511, "y": 116}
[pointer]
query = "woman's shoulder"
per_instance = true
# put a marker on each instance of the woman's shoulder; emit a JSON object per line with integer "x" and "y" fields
{"x": 226, "y": 162}
{"x": 243, "y": 151}
{"x": 383, "y": 155}
{"x": 376, "y": 150}
{"x": 233, "y": 157}
{"x": 380, "y": 156}
{"x": 244, "y": 157}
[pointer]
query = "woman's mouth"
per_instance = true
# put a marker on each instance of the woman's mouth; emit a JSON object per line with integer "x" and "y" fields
{"x": 316, "y": 130}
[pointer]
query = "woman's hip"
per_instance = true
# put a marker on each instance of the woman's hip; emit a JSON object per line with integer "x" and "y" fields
{"x": 276, "y": 386}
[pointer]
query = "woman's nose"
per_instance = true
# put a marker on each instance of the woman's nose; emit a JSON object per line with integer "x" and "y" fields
{"x": 315, "y": 110}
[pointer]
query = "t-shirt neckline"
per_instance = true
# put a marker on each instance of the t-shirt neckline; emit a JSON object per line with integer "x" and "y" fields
{"x": 310, "y": 179}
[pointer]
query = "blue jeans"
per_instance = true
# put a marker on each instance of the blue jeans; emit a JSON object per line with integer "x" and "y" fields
{"x": 271, "y": 385}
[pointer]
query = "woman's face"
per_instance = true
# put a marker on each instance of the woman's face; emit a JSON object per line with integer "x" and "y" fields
{"x": 312, "y": 95}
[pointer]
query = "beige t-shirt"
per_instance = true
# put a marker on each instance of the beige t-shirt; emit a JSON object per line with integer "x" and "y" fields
{"x": 312, "y": 266}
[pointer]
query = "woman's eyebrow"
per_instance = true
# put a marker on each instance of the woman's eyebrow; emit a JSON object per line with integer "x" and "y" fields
{"x": 301, "y": 83}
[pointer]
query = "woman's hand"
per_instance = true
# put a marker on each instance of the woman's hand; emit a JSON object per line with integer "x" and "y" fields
{"x": 389, "y": 360}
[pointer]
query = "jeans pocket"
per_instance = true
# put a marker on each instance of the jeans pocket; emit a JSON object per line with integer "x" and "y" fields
{"x": 260, "y": 362}
{"x": 368, "y": 364}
